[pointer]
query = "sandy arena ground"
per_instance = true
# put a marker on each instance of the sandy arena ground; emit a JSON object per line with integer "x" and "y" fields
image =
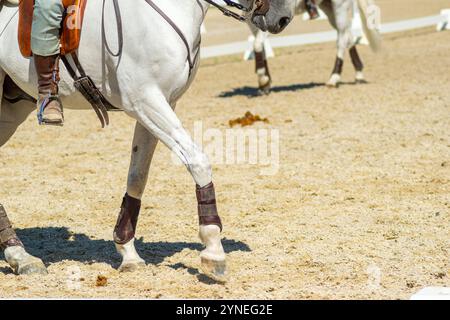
{"x": 362, "y": 192}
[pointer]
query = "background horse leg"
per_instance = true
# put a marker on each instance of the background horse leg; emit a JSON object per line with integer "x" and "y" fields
{"x": 261, "y": 65}
{"x": 161, "y": 121}
{"x": 357, "y": 63}
{"x": 21, "y": 262}
{"x": 144, "y": 144}
{"x": 339, "y": 15}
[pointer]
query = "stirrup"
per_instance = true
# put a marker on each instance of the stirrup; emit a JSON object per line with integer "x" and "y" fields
{"x": 42, "y": 107}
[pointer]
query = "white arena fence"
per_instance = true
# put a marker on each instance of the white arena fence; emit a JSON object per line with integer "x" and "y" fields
{"x": 442, "y": 22}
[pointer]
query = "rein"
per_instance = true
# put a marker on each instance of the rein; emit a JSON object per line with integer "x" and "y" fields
{"x": 229, "y": 13}
{"x": 262, "y": 7}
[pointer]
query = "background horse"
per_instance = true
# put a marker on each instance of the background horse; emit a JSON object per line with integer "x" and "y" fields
{"x": 146, "y": 81}
{"x": 340, "y": 14}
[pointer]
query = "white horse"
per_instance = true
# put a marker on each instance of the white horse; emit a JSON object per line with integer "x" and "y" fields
{"x": 339, "y": 13}
{"x": 152, "y": 73}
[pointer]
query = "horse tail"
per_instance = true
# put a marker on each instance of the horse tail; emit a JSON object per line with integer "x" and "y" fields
{"x": 370, "y": 15}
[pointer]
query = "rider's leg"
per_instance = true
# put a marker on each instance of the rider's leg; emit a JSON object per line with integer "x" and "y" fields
{"x": 312, "y": 9}
{"x": 45, "y": 44}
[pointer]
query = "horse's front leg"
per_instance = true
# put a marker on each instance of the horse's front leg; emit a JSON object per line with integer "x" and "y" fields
{"x": 158, "y": 117}
{"x": 144, "y": 144}
{"x": 342, "y": 23}
{"x": 261, "y": 65}
{"x": 357, "y": 64}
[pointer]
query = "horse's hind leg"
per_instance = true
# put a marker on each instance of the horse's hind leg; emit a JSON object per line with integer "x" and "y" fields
{"x": 11, "y": 117}
{"x": 161, "y": 121}
{"x": 22, "y": 262}
{"x": 261, "y": 65}
{"x": 357, "y": 64}
{"x": 144, "y": 144}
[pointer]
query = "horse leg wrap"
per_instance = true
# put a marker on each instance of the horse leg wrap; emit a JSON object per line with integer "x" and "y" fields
{"x": 8, "y": 237}
{"x": 338, "y": 66}
{"x": 125, "y": 228}
{"x": 260, "y": 58}
{"x": 261, "y": 64}
{"x": 207, "y": 208}
{"x": 356, "y": 60}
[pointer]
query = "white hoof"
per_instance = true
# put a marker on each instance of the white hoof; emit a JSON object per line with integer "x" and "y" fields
{"x": 213, "y": 261}
{"x": 214, "y": 269}
{"x": 264, "y": 81}
{"x": 334, "y": 81}
{"x": 131, "y": 266}
{"x": 24, "y": 263}
{"x": 359, "y": 78}
{"x": 131, "y": 261}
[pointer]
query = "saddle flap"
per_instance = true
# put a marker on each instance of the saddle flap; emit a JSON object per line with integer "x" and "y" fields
{"x": 71, "y": 26}
{"x": 73, "y": 22}
{"x": 25, "y": 23}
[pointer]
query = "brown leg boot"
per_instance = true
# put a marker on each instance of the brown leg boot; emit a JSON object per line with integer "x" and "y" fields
{"x": 312, "y": 9}
{"x": 50, "y": 110}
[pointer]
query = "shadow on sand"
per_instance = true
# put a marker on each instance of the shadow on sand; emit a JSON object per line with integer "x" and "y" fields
{"x": 252, "y": 92}
{"x": 55, "y": 244}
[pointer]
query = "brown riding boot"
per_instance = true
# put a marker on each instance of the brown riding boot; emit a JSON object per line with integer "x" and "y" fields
{"x": 50, "y": 110}
{"x": 312, "y": 9}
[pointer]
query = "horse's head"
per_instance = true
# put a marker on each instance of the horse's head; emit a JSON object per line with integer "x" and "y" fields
{"x": 272, "y": 15}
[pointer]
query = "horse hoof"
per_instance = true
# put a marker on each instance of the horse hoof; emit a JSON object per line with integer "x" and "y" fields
{"x": 214, "y": 269}
{"x": 35, "y": 267}
{"x": 131, "y": 266}
{"x": 264, "y": 90}
{"x": 332, "y": 85}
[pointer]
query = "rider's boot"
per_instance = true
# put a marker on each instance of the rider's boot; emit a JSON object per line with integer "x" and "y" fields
{"x": 312, "y": 9}
{"x": 50, "y": 109}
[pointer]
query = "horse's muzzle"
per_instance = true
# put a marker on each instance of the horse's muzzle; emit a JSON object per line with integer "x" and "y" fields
{"x": 260, "y": 22}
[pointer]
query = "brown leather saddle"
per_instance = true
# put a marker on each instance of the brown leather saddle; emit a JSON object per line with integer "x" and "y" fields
{"x": 70, "y": 41}
{"x": 70, "y": 31}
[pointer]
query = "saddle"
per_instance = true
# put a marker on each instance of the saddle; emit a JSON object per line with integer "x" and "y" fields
{"x": 70, "y": 42}
{"x": 70, "y": 29}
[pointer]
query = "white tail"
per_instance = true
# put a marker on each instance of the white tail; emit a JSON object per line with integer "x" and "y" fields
{"x": 370, "y": 16}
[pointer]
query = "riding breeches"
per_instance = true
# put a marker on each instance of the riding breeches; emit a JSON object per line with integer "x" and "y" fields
{"x": 45, "y": 34}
